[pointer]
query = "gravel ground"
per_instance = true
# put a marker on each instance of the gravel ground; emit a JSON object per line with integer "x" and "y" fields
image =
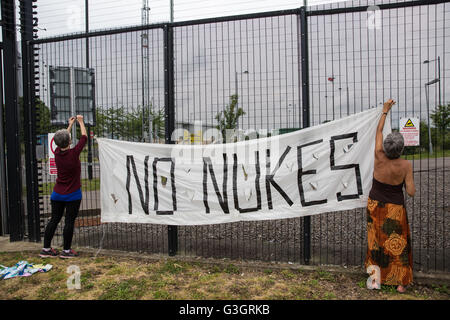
{"x": 337, "y": 238}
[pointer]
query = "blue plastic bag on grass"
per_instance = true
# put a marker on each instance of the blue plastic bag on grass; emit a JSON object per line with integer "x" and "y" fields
{"x": 22, "y": 269}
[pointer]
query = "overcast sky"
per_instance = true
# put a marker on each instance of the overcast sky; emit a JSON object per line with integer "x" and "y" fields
{"x": 369, "y": 64}
{"x": 67, "y": 16}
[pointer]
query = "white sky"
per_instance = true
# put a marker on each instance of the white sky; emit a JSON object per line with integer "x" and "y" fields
{"x": 413, "y": 35}
{"x": 67, "y": 16}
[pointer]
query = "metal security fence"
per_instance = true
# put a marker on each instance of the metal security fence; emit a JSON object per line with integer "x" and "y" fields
{"x": 360, "y": 56}
{"x": 288, "y": 69}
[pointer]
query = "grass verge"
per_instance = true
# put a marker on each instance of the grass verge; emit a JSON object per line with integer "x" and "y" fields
{"x": 119, "y": 278}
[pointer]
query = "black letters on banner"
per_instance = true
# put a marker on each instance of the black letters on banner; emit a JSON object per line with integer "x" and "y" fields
{"x": 223, "y": 197}
{"x": 258, "y": 190}
{"x": 353, "y": 135}
{"x": 301, "y": 173}
{"x": 269, "y": 178}
{"x": 222, "y": 201}
{"x": 144, "y": 201}
{"x": 172, "y": 181}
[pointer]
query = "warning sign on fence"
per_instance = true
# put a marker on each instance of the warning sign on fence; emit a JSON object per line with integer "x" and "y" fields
{"x": 410, "y": 129}
{"x": 51, "y": 155}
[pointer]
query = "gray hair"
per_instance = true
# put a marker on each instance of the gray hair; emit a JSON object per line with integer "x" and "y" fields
{"x": 393, "y": 145}
{"x": 62, "y": 138}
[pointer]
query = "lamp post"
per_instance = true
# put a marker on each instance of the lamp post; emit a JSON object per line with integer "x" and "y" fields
{"x": 427, "y": 95}
{"x": 289, "y": 115}
{"x": 438, "y": 59}
{"x": 236, "y": 80}
{"x": 331, "y": 79}
{"x": 348, "y": 103}
{"x": 236, "y": 91}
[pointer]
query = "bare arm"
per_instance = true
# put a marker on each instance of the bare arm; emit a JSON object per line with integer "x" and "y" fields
{"x": 82, "y": 127}
{"x": 409, "y": 181}
{"x": 71, "y": 121}
{"x": 379, "y": 134}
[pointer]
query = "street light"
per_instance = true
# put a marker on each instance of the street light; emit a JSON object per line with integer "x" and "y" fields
{"x": 290, "y": 107}
{"x": 331, "y": 79}
{"x": 432, "y": 82}
{"x": 236, "y": 80}
{"x": 438, "y": 59}
{"x": 236, "y": 90}
{"x": 427, "y": 95}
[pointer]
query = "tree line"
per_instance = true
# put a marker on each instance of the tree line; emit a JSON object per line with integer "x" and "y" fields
{"x": 132, "y": 124}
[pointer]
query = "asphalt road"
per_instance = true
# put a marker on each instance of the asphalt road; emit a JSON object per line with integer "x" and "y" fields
{"x": 431, "y": 164}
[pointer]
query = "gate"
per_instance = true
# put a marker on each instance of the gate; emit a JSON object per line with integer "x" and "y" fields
{"x": 289, "y": 69}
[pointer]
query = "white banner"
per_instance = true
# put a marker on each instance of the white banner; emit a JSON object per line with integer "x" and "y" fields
{"x": 319, "y": 169}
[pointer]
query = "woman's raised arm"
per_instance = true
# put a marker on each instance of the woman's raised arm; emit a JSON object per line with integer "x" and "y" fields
{"x": 379, "y": 135}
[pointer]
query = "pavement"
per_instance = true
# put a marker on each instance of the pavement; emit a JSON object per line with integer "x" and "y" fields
{"x": 431, "y": 164}
{"x": 18, "y": 246}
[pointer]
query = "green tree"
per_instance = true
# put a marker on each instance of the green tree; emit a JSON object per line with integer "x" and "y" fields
{"x": 43, "y": 125}
{"x": 121, "y": 123}
{"x": 441, "y": 117}
{"x": 43, "y": 115}
{"x": 228, "y": 118}
{"x": 424, "y": 141}
{"x": 110, "y": 122}
{"x": 157, "y": 117}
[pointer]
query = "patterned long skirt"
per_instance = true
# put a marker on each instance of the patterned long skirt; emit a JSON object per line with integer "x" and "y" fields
{"x": 389, "y": 242}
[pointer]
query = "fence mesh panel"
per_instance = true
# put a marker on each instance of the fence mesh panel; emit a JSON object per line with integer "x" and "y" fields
{"x": 353, "y": 66}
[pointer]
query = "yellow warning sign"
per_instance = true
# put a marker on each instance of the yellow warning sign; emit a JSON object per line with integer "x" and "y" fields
{"x": 410, "y": 129}
{"x": 409, "y": 124}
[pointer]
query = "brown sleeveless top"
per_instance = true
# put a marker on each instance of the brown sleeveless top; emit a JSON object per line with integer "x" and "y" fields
{"x": 387, "y": 193}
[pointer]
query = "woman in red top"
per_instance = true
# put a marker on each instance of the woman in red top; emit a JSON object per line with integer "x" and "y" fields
{"x": 67, "y": 191}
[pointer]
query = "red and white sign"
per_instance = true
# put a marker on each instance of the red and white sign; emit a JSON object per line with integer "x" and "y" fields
{"x": 51, "y": 154}
{"x": 410, "y": 129}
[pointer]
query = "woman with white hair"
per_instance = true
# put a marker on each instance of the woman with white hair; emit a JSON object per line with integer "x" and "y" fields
{"x": 67, "y": 190}
{"x": 388, "y": 233}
